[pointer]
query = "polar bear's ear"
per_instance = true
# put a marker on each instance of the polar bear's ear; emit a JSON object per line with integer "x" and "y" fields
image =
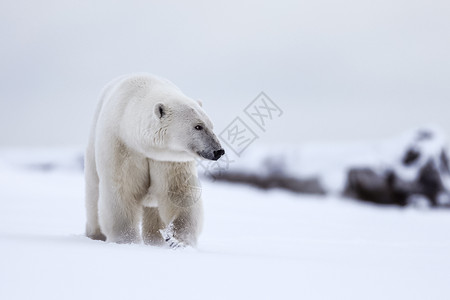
{"x": 159, "y": 110}
{"x": 200, "y": 102}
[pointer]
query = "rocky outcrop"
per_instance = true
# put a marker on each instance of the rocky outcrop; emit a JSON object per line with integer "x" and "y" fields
{"x": 428, "y": 168}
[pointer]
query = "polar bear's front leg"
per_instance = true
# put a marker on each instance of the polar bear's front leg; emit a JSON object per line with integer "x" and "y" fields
{"x": 168, "y": 234}
{"x": 119, "y": 219}
{"x": 183, "y": 230}
{"x": 151, "y": 226}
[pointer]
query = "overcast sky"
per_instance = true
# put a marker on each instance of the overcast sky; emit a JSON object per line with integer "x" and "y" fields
{"x": 340, "y": 70}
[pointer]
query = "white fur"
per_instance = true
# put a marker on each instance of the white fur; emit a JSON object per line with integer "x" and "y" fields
{"x": 139, "y": 162}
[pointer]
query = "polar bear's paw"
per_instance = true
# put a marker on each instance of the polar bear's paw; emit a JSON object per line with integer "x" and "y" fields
{"x": 170, "y": 239}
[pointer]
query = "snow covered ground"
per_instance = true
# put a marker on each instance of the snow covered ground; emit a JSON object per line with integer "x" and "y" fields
{"x": 256, "y": 245}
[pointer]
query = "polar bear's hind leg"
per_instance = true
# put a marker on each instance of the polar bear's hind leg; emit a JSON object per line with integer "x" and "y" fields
{"x": 92, "y": 225}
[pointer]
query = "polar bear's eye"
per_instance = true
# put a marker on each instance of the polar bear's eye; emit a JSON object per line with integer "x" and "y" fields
{"x": 198, "y": 127}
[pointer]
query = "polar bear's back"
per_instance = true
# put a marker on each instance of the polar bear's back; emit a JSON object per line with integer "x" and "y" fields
{"x": 140, "y": 83}
{"x": 120, "y": 92}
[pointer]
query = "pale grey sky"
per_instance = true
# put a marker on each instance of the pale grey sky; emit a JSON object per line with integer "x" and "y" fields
{"x": 340, "y": 70}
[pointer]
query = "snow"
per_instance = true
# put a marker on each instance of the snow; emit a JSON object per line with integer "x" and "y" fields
{"x": 255, "y": 245}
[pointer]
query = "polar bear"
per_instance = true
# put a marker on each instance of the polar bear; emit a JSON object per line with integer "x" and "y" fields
{"x": 140, "y": 163}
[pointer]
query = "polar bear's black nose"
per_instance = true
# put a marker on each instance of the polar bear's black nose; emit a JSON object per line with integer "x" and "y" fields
{"x": 218, "y": 154}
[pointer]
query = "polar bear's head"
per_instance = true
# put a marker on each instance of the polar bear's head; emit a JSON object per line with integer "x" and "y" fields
{"x": 187, "y": 129}
{"x": 182, "y": 131}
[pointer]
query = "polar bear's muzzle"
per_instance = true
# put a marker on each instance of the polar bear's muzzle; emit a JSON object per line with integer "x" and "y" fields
{"x": 218, "y": 154}
{"x": 206, "y": 144}
{"x": 212, "y": 155}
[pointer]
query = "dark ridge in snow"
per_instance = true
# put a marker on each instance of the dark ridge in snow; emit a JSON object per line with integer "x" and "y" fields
{"x": 43, "y": 160}
{"x": 297, "y": 185}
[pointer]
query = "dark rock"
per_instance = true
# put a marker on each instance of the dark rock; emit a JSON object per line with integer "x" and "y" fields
{"x": 365, "y": 184}
{"x": 410, "y": 156}
{"x": 430, "y": 182}
{"x": 445, "y": 167}
{"x": 429, "y": 169}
